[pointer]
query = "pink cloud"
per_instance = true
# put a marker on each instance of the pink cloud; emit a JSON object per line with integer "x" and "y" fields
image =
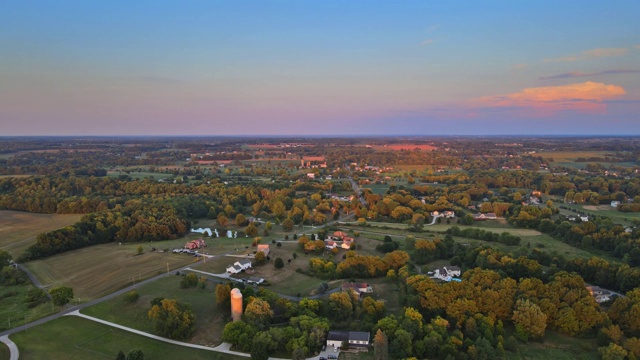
{"x": 426, "y": 42}
{"x": 591, "y": 54}
{"x": 584, "y": 97}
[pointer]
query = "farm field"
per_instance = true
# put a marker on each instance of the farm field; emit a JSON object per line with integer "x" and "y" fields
{"x": 210, "y": 320}
{"x": 567, "y": 158}
{"x": 102, "y": 269}
{"x": 71, "y": 337}
{"x": 557, "y": 346}
{"x": 18, "y": 230}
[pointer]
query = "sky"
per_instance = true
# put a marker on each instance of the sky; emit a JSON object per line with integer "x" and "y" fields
{"x": 330, "y": 67}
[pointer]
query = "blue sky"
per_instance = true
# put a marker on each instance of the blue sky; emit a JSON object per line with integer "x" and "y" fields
{"x": 321, "y": 68}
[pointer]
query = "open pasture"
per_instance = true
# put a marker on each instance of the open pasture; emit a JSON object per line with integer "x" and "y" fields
{"x": 618, "y": 217}
{"x": 71, "y": 337}
{"x": 210, "y": 320}
{"x": 102, "y": 269}
{"x": 18, "y": 230}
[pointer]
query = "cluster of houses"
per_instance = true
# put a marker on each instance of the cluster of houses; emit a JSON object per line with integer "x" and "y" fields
{"x": 484, "y": 216}
{"x": 338, "y": 236}
{"x": 195, "y": 244}
{"x": 447, "y": 214}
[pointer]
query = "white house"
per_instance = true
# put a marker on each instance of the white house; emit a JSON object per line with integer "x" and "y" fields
{"x": 615, "y": 204}
{"x": 357, "y": 340}
{"x": 239, "y": 266}
{"x": 584, "y": 218}
{"x": 446, "y": 273}
{"x": 449, "y": 214}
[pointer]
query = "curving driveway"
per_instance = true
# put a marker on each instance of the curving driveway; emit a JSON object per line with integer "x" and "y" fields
{"x": 13, "y": 348}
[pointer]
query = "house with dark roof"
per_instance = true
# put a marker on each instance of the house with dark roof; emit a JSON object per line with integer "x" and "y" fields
{"x": 357, "y": 340}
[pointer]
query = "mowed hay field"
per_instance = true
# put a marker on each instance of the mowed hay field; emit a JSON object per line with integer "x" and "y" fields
{"x": 18, "y": 230}
{"x": 102, "y": 269}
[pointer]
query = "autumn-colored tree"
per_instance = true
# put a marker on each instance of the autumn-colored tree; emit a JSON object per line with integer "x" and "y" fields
{"x": 260, "y": 258}
{"x": 625, "y": 311}
{"x": 380, "y": 346}
{"x": 612, "y": 352}
{"x": 223, "y": 295}
{"x": 173, "y": 319}
{"x": 251, "y": 230}
{"x": 258, "y": 312}
{"x": 529, "y": 319}
{"x": 240, "y": 220}
{"x": 341, "y": 305}
{"x": 222, "y": 220}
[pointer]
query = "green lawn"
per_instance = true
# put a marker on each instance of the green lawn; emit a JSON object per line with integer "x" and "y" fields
{"x": 4, "y": 352}
{"x": 210, "y": 320}
{"x": 558, "y": 347}
{"x": 13, "y": 307}
{"x": 624, "y": 218}
{"x": 71, "y": 337}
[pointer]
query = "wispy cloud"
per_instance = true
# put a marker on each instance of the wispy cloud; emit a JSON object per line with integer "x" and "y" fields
{"x": 591, "y": 54}
{"x": 426, "y": 42}
{"x": 519, "y": 66}
{"x": 584, "y": 97}
{"x": 577, "y": 74}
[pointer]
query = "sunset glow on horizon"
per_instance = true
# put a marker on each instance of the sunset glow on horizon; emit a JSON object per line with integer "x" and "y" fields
{"x": 319, "y": 68}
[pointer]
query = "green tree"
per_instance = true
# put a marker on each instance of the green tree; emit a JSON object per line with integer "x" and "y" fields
{"x": 279, "y": 263}
{"x": 139, "y": 250}
{"x": 121, "y": 356}
{"x": 529, "y": 319}
{"x": 132, "y": 296}
{"x": 240, "y": 334}
{"x": 251, "y": 230}
{"x": 173, "y": 319}
{"x": 135, "y": 354}
{"x": 61, "y": 295}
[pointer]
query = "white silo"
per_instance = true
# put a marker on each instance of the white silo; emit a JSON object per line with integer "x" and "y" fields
{"x": 236, "y": 304}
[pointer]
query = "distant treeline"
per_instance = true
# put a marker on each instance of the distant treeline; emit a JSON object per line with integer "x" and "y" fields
{"x": 140, "y": 222}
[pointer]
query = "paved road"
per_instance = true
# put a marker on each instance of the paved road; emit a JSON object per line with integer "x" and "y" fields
{"x": 13, "y": 348}
{"x": 87, "y": 304}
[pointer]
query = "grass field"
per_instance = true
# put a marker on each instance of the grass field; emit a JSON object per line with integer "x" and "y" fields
{"x": 102, "y": 269}
{"x": 72, "y": 338}
{"x": 624, "y": 218}
{"x": 528, "y": 236}
{"x": 558, "y": 347}
{"x": 18, "y": 230}
{"x": 13, "y": 307}
{"x": 4, "y": 352}
{"x": 568, "y": 158}
{"x": 210, "y": 320}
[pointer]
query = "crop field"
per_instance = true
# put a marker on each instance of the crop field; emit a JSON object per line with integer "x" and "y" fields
{"x": 101, "y": 269}
{"x": 557, "y": 346}
{"x": 18, "y": 230}
{"x": 71, "y": 337}
{"x": 210, "y": 320}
